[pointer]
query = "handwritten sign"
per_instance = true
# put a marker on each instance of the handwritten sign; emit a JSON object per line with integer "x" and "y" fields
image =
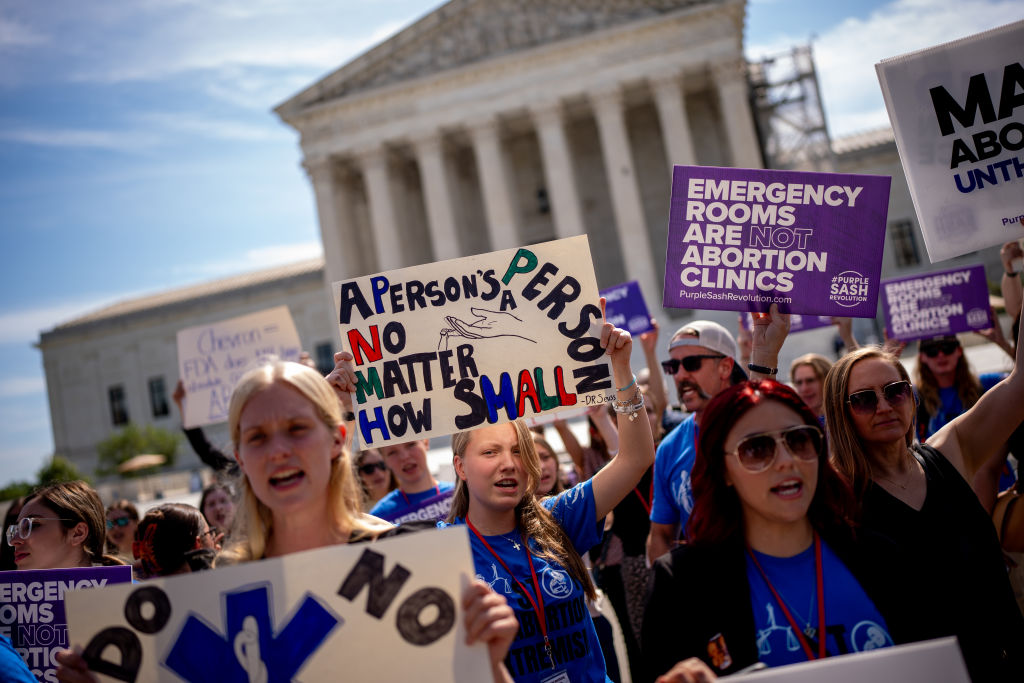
{"x": 939, "y": 303}
{"x": 386, "y": 611}
{"x": 32, "y": 610}
{"x": 450, "y": 346}
{"x": 958, "y": 118}
{"x": 625, "y": 308}
{"x": 741, "y": 240}
{"x": 211, "y": 358}
{"x": 924, "y": 662}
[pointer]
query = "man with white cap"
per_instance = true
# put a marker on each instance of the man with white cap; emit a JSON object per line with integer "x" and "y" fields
{"x": 703, "y": 363}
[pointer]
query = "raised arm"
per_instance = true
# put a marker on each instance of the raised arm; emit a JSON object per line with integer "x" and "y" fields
{"x": 636, "y": 443}
{"x": 977, "y": 434}
{"x": 657, "y": 393}
{"x": 1013, "y": 293}
{"x": 845, "y": 325}
{"x": 769, "y": 332}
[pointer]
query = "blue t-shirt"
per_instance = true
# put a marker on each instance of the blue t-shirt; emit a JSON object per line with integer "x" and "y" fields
{"x": 571, "y": 632}
{"x": 853, "y": 622}
{"x": 12, "y": 667}
{"x": 430, "y": 505}
{"x": 673, "y": 495}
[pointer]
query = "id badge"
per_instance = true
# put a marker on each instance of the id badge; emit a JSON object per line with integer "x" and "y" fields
{"x": 560, "y": 677}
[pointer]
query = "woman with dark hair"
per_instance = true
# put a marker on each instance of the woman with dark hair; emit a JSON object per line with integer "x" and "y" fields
{"x": 773, "y": 570}
{"x": 529, "y": 550}
{"x": 218, "y": 507}
{"x": 122, "y": 520}
{"x": 59, "y": 527}
{"x": 173, "y": 538}
{"x": 6, "y": 549}
{"x": 375, "y": 478}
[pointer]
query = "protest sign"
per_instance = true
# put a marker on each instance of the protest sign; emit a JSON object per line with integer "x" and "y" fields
{"x": 957, "y": 112}
{"x": 798, "y": 323}
{"x": 32, "y": 611}
{"x": 386, "y": 611}
{"x": 212, "y": 357}
{"x": 478, "y": 340}
{"x": 924, "y": 662}
{"x": 742, "y": 239}
{"x": 625, "y": 308}
{"x": 939, "y": 303}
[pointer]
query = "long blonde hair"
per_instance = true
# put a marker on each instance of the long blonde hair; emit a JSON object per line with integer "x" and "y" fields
{"x": 254, "y": 521}
{"x": 535, "y": 521}
{"x": 848, "y": 452}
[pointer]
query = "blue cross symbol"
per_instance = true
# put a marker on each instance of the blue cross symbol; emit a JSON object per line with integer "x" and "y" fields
{"x": 252, "y": 650}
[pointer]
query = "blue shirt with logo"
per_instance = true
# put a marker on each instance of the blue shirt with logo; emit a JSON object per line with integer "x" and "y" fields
{"x": 853, "y": 624}
{"x": 673, "y": 494}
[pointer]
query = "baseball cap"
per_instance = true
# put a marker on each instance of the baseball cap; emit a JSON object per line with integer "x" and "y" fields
{"x": 705, "y": 333}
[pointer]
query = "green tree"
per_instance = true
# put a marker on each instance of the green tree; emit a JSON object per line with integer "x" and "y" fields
{"x": 16, "y": 489}
{"x": 58, "y": 469}
{"x": 132, "y": 441}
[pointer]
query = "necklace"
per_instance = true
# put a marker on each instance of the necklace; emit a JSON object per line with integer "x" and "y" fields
{"x": 514, "y": 541}
{"x": 910, "y": 475}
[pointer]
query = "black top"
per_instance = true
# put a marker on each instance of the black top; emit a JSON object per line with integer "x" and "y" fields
{"x": 632, "y": 519}
{"x": 959, "y": 562}
{"x": 209, "y": 454}
{"x": 700, "y": 591}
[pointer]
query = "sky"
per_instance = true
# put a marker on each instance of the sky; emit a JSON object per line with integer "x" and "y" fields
{"x": 139, "y": 150}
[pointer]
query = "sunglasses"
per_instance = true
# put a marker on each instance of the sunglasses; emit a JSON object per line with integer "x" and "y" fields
{"x": 866, "y": 402}
{"x": 211, "y": 532}
{"x": 371, "y": 467}
{"x": 757, "y": 452}
{"x": 933, "y": 349}
{"x": 690, "y": 363}
{"x": 120, "y": 521}
{"x": 23, "y": 529}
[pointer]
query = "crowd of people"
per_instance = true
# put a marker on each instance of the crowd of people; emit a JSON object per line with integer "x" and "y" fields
{"x": 754, "y": 523}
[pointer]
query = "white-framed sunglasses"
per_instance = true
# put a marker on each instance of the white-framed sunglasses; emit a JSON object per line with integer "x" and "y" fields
{"x": 23, "y": 529}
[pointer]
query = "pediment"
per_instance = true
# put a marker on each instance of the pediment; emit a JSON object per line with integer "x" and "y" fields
{"x": 463, "y": 32}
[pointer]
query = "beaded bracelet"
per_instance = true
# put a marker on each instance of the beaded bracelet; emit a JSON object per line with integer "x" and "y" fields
{"x": 630, "y": 407}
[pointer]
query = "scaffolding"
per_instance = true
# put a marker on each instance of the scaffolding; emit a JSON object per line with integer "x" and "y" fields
{"x": 789, "y": 113}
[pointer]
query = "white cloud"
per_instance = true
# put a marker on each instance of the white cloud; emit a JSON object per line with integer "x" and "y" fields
{"x": 21, "y": 386}
{"x": 23, "y": 326}
{"x": 256, "y": 259}
{"x": 16, "y": 34}
{"x": 220, "y": 129}
{"x": 846, "y": 54}
{"x": 72, "y": 137}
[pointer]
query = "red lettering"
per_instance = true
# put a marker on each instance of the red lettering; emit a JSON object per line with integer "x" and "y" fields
{"x": 359, "y": 345}
{"x": 564, "y": 397}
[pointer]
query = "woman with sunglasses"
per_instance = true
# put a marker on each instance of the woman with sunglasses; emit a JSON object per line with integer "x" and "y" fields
{"x": 60, "y": 526}
{"x": 773, "y": 571}
{"x": 375, "y": 478}
{"x": 122, "y": 520}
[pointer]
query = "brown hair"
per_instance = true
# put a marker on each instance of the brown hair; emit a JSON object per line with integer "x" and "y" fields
{"x": 817, "y": 362}
{"x": 254, "y": 520}
{"x": 848, "y": 452}
{"x": 968, "y": 386}
{"x": 535, "y": 521}
{"x": 164, "y": 535}
{"x": 75, "y": 502}
{"x": 539, "y": 440}
{"x": 360, "y": 456}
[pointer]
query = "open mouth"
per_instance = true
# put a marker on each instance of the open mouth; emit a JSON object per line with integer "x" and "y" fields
{"x": 790, "y": 488}
{"x": 507, "y": 484}
{"x": 284, "y": 479}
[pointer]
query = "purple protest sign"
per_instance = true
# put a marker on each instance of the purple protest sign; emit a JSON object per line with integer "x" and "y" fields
{"x": 937, "y": 303}
{"x": 625, "y": 308}
{"x": 798, "y": 323}
{"x": 742, "y": 239}
{"x": 433, "y": 509}
{"x": 32, "y": 610}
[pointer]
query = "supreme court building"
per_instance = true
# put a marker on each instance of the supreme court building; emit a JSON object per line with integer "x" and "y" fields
{"x": 490, "y": 124}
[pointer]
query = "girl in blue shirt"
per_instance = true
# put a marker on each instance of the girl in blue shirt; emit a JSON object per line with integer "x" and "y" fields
{"x": 529, "y": 550}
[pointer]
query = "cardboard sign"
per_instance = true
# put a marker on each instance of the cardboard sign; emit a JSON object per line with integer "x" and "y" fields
{"x": 478, "y": 340}
{"x": 924, "y": 662}
{"x": 384, "y": 611}
{"x": 211, "y": 358}
{"x": 741, "y": 240}
{"x": 958, "y": 116}
{"x": 32, "y": 611}
{"x": 625, "y": 308}
{"x": 934, "y": 304}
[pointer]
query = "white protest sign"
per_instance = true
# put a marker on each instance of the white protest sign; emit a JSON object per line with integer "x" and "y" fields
{"x": 449, "y": 346}
{"x": 925, "y": 662}
{"x": 384, "y": 611}
{"x": 212, "y": 357}
{"x": 958, "y": 114}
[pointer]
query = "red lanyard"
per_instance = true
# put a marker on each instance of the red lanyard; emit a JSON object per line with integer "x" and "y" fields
{"x": 437, "y": 492}
{"x": 538, "y": 604}
{"x": 821, "y": 602}
{"x": 650, "y": 497}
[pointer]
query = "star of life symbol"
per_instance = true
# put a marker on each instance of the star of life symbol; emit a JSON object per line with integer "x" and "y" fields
{"x": 252, "y": 648}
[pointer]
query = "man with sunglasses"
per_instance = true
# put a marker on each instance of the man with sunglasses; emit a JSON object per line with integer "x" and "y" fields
{"x": 702, "y": 363}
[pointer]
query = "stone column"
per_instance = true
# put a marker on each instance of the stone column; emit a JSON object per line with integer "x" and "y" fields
{"x": 387, "y": 241}
{"x": 675, "y": 126}
{"x": 444, "y": 237}
{"x": 558, "y": 169}
{"x": 625, "y": 192}
{"x": 341, "y": 258}
{"x": 734, "y": 103}
{"x": 490, "y": 163}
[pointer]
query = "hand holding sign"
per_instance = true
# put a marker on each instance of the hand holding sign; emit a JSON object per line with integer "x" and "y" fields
{"x": 768, "y": 333}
